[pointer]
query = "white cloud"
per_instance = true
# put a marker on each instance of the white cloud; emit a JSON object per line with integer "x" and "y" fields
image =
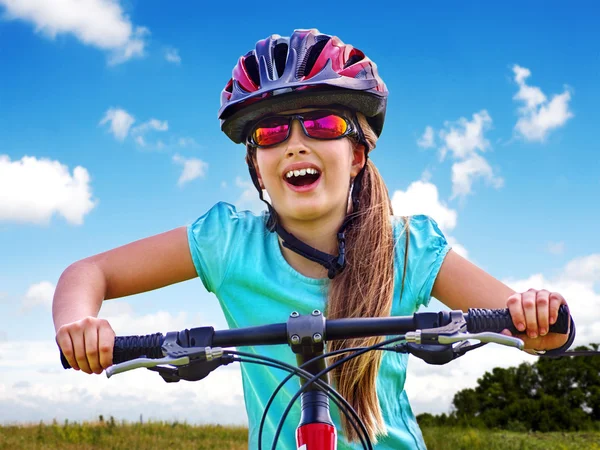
{"x": 134, "y": 47}
{"x": 39, "y": 294}
{"x": 249, "y": 199}
{"x": 458, "y": 248}
{"x": 556, "y": 248}
{"x": 538, "y": 116}
{"x": 426, "y": 175}
{"x": 172, "y": 55}
{"x": 120, "y": 122}
{"x": 465, "y": 172}
{"x": 192, "y": 168}
{"x": 428, "y": 139}
{"x": 585, "y": 270}
{"x": 186, "y": 142}
{"x": 152, "y": 124}
{"x": 465, "y": 141}
{"x": 32, "y": 190}
{"x": 53, "y": 393}
{"x": 99, "y": 23}
{"x": 124, "y": 321}
{"x": 121, "y": 125}
{"x": 464, "y": 138}
{"x": 422, "y": 197}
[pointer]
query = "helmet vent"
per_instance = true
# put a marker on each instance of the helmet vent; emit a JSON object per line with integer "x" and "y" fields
{"x": 356, "y": 57}
{"x": 313, "y": 54}
{"x": 252, "y": 69}
{"x": 280, "y": 56}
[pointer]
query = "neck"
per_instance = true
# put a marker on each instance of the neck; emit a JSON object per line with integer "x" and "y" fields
{"x": 320, "y": 234}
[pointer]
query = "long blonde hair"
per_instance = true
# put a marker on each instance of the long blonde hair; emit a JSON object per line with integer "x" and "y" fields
{"x": 363, "y": 289}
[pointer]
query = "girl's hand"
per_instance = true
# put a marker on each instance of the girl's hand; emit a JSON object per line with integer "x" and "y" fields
{"x": 87, "y": 344}
{"x": 532, "y": 313}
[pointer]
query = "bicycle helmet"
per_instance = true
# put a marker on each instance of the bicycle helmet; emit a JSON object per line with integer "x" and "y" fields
{"x": 307, "y": 69}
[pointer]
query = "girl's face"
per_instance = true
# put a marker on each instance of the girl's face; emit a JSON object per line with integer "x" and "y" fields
{"x": 322, "y": 192}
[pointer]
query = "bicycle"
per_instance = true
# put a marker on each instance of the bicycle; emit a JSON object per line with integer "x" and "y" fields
{"x": 436, "y": 338}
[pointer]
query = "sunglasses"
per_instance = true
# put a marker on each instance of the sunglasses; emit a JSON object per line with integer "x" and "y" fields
{"x": 322, "y": 125}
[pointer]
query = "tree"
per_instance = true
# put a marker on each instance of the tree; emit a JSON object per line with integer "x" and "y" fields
{"x": 553, "y": 394}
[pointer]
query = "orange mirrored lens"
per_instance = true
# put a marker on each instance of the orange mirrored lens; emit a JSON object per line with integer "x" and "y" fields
{"x": 271, "y": 131}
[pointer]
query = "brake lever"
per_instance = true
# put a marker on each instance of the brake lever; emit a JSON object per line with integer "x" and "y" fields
{"x": 456, "y": 331}
{"x": 145, "y": 362}
{"x": 486, "y": 337}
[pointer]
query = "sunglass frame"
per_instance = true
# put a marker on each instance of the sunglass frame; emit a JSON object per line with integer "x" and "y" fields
{"x": 351, "y": 129}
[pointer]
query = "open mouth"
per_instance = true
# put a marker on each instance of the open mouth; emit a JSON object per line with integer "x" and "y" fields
{"x": 302, "y": 177}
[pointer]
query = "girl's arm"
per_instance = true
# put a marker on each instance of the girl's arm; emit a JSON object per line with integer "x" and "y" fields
{"x": 462, "y": 285}
{"x": 141, "y": 266}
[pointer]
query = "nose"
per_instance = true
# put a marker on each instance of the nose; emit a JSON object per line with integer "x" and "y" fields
{"x": 296, "y": 140}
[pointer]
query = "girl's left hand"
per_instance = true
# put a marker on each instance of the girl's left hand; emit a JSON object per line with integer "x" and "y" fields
{"x": 533, "y": 312}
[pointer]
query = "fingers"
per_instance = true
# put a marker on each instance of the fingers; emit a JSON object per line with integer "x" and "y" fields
{"x": 87, "y": 344}
{"x": 90, "y": 337}
{"x": 106, "y": 342}
{"x": 529, "y": 309}
{"x": 542, "y": 301}
{"x": 63, "y": 339}
{"x": 555, "y": 301}
{"x": 534, "y": 311}
{"x": 514, "y": 305}
{"x": 77, "y": 338}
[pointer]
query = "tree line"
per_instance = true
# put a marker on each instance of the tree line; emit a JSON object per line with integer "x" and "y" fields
{"x": 552, "y": 394}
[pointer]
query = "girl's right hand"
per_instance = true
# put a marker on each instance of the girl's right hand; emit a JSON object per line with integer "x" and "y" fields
{"x": 87, "y": 344}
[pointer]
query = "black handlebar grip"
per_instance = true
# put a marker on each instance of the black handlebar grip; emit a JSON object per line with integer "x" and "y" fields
{"x": 131, "y": 347}
{"x": 496, "y": 320}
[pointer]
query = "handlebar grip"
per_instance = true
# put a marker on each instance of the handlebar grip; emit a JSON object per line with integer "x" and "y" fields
{"x": 131, "y": 347}
{"x": 496, "y": 320}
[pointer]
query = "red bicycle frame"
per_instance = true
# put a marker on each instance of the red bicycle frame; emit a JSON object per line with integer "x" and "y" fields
{"x": 316, "y": 436}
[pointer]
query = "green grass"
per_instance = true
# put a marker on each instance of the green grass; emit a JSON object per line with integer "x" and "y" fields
{"x": 131, "y": 436}
{"x": 447, "y": 438}
{"x": 113, "y": 435}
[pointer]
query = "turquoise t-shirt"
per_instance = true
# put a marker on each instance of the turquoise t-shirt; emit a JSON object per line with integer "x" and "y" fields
{"x": 240, "y": 261}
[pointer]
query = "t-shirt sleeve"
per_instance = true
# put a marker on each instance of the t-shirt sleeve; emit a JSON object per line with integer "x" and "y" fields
{"x": 427, "y": 249}
{"x": 211, "y": 239}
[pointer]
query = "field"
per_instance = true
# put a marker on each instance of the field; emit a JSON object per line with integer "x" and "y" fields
{"x": 114, "y": 435}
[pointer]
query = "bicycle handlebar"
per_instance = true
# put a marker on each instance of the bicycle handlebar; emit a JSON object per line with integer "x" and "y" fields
{"x": 421, "y": 328}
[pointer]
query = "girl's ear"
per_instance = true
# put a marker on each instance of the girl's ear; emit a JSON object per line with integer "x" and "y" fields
{"x": 358, "y": 159}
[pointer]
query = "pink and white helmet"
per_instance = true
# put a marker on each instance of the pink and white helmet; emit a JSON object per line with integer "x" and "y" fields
{"x": 304, "y": 70}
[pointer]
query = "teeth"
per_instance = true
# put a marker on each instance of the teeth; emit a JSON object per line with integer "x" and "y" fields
{"x": 301, "y": 172}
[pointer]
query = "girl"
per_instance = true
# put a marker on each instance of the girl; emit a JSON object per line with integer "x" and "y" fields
{"x": 309, "y": 109}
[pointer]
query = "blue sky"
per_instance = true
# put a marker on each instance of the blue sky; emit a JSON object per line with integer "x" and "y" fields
{"x": 109, "y": 133}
